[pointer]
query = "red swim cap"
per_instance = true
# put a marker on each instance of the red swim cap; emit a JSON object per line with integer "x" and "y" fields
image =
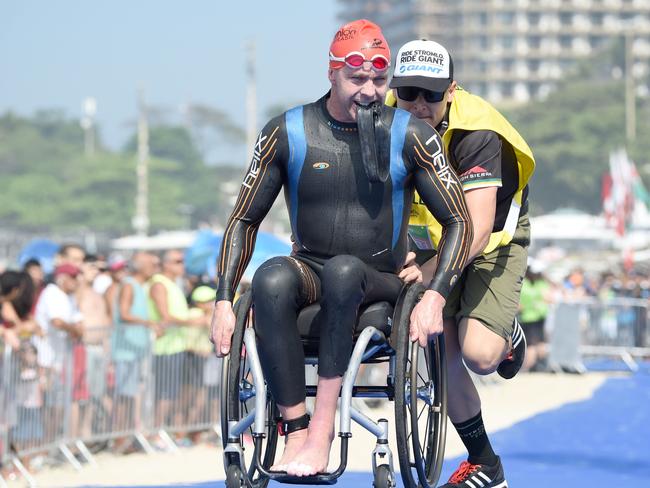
{"x": 360, "y": 36}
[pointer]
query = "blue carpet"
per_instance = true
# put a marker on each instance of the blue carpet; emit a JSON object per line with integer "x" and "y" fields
{"x": 602, "y": 442}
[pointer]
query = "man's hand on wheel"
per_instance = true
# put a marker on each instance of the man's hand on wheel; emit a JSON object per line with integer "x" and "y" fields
{"x": 426, "y": 318}
{"x": 411, "y": 272}
{"x": 222, "y": 327}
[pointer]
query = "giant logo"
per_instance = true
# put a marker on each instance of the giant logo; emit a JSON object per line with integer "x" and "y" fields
{"x": 420, "y": 67}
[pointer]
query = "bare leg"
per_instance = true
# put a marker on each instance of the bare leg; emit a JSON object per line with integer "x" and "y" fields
{"x": 463, "y": 401}
{"x": 482, "y": 351}
{"x": 294, "y": 441}
{"x": 314, "y": 454}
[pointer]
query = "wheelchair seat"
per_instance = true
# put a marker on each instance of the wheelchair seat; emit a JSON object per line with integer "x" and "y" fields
{"x": 415, "y": 382}
{"x": 378, "y": 315}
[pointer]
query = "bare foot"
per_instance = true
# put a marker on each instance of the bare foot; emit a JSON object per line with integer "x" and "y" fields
{"x": 292, "y": 446}
{"x": 314, "y": 454}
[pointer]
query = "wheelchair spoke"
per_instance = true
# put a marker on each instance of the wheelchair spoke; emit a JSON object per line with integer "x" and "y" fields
{"x": 424, "y": 408}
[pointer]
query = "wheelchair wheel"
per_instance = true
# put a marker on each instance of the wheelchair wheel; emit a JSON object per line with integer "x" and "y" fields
{"x": 238, "y": 398}
{"x": 420, "y": 400}
{"x": 383, "y": 478}
{"x": 234, "y": 477}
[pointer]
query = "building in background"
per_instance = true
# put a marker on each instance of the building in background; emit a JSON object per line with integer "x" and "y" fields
{"x": 512, "y": 50}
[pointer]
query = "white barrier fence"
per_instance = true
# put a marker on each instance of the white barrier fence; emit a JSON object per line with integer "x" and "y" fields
{"x": 123, "y": 392}
{"x": 616, "y": 328}
{"x": 85, "y": 394}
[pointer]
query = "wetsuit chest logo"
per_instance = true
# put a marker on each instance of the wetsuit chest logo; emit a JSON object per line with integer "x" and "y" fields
{"x": 321, "y": 166}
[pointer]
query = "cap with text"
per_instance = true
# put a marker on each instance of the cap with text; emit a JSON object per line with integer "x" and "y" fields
{"x": 360, "y": 36}
{"x": 423, "y": 64}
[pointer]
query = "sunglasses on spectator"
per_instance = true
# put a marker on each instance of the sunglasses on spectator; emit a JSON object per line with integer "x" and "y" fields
{"x": 355, "y": 60}
{"x": 410, "y": 94}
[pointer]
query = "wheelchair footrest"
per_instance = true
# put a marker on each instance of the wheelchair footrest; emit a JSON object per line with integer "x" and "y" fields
{"x": 317, "y": 479}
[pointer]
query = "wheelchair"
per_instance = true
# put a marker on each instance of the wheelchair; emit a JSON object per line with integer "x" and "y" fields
{"x": 416, "y": 382}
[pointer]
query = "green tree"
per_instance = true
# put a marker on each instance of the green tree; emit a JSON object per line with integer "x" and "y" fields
{"x": 573, "y": 131}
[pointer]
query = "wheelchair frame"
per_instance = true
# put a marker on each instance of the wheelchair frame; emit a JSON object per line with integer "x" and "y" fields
{"x": 427, "y": 460}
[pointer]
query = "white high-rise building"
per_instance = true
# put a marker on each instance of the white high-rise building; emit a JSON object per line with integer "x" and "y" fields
{"x": 512, "y": 50}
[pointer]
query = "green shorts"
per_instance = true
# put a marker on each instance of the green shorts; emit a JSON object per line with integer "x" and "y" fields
{"x": 490, "y": 285}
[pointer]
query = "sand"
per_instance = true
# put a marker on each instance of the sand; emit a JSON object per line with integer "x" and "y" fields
{"x": 504, "y": 404}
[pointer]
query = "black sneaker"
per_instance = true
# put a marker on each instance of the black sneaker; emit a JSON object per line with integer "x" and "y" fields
{"x": 511, "y": 365}
{"x": 470, "y": 475}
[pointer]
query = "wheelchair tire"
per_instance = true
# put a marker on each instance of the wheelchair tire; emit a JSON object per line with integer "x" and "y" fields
{"x": 420, "y": 411}
{"x": 234, "y": 477}
{"x": 234, "y": 376}
{"x": 383, "y": 478}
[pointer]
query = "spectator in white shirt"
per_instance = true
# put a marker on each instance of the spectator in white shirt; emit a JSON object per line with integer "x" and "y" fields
{"x": 60, "y": 320}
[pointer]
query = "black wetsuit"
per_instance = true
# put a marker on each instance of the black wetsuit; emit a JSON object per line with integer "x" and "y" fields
{"x": 351, "y": 233}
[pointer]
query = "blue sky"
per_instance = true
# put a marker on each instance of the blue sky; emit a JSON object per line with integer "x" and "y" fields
{"x": 55, "y": 53}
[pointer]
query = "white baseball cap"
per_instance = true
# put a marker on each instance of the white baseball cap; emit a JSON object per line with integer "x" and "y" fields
{"x": 424, "y": 64}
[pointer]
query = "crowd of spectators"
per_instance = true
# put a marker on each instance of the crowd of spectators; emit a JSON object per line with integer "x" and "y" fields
{"x": 614, "y": 304}
{"x": 95, "y": 342}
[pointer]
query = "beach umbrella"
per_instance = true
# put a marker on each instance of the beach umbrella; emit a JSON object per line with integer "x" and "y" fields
{"x": 43, "y": 250}
{"x": 201, "y": 256}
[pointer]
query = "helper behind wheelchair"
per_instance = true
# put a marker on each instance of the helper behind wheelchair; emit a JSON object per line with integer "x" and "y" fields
{"x": 416, "y": 381}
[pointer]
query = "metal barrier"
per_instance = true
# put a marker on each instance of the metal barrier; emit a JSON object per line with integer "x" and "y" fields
{"x": 58, "y": 400}
{"x": 619, "y": 327}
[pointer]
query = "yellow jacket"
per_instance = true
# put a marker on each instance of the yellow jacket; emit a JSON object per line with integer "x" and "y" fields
{"x": 471, "y": 112}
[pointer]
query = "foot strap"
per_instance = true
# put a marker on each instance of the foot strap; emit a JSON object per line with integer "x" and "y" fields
{"x": 286, "y": 427}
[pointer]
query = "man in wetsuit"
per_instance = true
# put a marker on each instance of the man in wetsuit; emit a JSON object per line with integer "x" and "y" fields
{"x": 494, "y": 164}
{"x": 349, "y": 167}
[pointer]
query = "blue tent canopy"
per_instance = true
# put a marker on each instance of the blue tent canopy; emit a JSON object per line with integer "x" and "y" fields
{"x": 201, "y": 257}
{"x": 43, "y": 250}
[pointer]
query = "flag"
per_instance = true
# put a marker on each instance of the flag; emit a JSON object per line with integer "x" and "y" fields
{"x": 618, "y": 191}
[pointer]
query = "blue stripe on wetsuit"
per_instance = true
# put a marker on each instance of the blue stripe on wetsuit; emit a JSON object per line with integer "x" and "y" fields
{"x": 397, "y": 168}
{"x": 297, "y": 152}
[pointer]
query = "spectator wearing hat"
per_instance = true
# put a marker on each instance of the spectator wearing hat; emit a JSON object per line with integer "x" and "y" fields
{"x": 494, "y": 164}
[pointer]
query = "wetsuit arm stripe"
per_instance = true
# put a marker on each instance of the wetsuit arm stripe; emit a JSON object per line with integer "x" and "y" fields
{"x": 460, "y": 257}
{"x": 264, "y": 161}
{"x": 428, "y": 160}
{"x": 250, "y": 240}
{"x": 442, "y": 188}
{"x": 251, "y": 233}
{"x": 428, "y": 166}
{"x": 438, "y": 185}
{"x": 455, "y": 198}
{"x": 259, "y": 189}
{"x": 246, "y": 197}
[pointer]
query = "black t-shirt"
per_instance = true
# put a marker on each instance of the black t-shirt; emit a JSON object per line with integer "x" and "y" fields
{"x": 484, "y": 159}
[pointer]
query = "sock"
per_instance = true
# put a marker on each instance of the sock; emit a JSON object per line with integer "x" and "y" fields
{"x": 472, "y": 433}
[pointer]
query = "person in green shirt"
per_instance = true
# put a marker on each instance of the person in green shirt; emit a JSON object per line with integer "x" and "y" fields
{"x": 168, "y": 307}
{"x": 533, "y": 309}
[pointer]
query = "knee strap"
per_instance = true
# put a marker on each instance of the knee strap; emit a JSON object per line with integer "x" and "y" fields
{"x": 286, "y": 427}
